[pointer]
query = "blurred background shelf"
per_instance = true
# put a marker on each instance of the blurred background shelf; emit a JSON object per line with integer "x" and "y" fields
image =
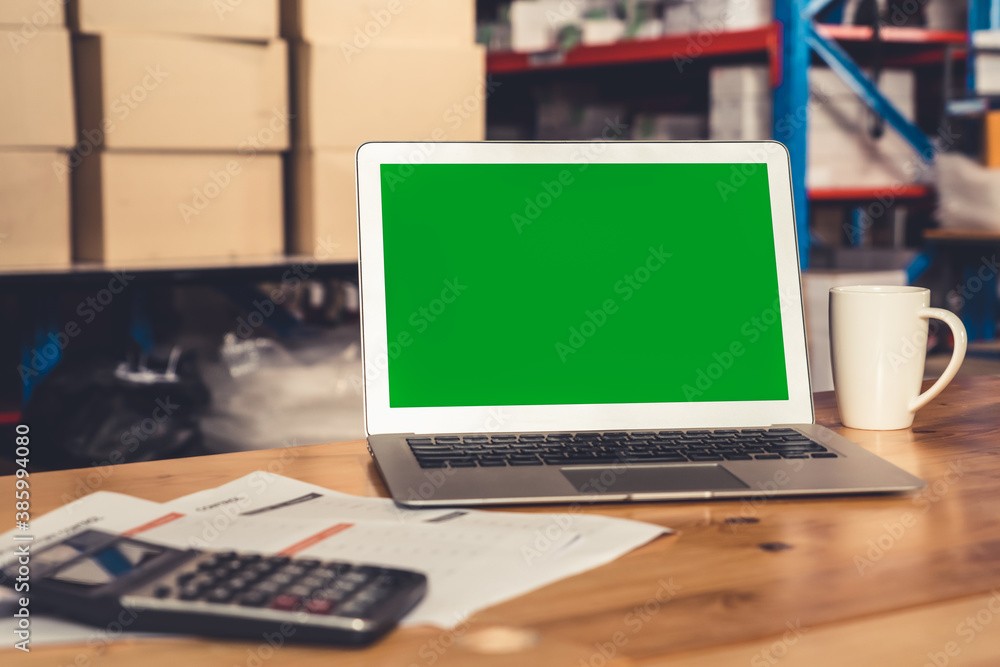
{"x": 178, "y": 270}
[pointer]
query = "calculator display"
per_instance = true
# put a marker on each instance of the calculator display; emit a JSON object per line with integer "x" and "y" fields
{"x": 108, "y": 564}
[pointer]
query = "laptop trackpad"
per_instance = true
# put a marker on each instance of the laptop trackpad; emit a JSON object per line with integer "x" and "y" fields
{"x": 651, "y": 479}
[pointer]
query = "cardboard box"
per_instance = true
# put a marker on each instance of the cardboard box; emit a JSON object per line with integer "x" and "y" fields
{"x": 842, "y": 152}
{"x": 150, "y": 93}
{"x": 36, "y": 85}
{"x": 132, "y": 207}
{"x": 233, "y": 19}
{"x": 389, "y": 94}
{"x": 29, "y": 15}
{"x": 991, "y": 139}
{"x": 739, "y": 103}
{"x": 354, "y": 25}
{"x": 34, "y": 209}
{"x": 324, "y": 205}
{"x": 668, "y": 127}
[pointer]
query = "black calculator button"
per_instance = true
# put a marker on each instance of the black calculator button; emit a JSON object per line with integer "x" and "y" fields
{"x": 308, "y": 563}
{"x": 255, "y": 598}
{"x": 189, "y": 593}
{"x": 221, "y": 594}
{"x": 220, "y": 573}
{"x": 268, "y": 587}
{"x": 359, "y": 574}
{"x": 329, "y": 594}
{"x": 163, "y": 591}
{"x": 325, "y": 572}
{"x": 238, "y": 583}
{"x": 279, "y": 560}
{"x": 184, "y": 578}
{"x": 294, "y": 570}
{"x": 300, "y": 591}
{"x": 312, "y": 581}
{"x": 282, "y": 578}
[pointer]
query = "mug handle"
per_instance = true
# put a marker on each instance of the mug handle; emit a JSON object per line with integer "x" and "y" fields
{"x": 957, "y": 356}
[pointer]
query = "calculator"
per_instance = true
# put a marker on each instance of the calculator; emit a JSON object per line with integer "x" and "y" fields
{"x": 100, "y": 579}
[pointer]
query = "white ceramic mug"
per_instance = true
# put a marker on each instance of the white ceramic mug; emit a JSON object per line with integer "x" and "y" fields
{"x": 878, "y": 343}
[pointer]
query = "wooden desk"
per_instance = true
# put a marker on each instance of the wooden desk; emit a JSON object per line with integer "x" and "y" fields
{"x": 896, "y": 580}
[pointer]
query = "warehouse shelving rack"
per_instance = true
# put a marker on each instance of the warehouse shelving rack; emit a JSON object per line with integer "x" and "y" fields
{"x": 788, "y": 44}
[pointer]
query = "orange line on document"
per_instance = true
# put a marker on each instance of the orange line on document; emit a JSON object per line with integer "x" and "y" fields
{"x": 315, "y": 539}
{"x": 155, "y": 523}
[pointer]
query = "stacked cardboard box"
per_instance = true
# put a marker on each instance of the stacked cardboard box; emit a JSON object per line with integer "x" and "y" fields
{"x": 687, "y": 16}
{"x": 668, "y": 127}
{"x": 739, "y": 103}
{"x": 183, "y": 110}
{"x": 372, "y": 70}
{"x": 36, "y": 129}
{"x": 842, "y": 151}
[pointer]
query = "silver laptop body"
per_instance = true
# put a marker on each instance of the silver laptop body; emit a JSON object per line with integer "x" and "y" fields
{"x": 590, "y": 322}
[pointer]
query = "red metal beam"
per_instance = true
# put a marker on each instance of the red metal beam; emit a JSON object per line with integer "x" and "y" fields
{"x": 894, "y": 192}
{"x": 672, "y": 48}
{"x": 765, "y": 39}
{"x": 862, "y": 33}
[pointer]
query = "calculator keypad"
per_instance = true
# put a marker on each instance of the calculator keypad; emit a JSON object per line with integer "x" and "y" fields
{"x": 282, "y": 584}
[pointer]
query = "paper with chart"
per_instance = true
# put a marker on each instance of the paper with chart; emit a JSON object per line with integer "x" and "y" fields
{"x": 531, "y": 551}
{"x": 473, "y": 559}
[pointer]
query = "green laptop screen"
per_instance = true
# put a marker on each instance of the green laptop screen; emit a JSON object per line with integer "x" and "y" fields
{"x": 555, "y": 284}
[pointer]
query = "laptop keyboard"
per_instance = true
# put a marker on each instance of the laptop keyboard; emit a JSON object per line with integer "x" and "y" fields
{"x": 590, "y": 448}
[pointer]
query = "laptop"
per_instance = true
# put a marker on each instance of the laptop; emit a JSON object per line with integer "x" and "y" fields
{"x": 590, "y": 322}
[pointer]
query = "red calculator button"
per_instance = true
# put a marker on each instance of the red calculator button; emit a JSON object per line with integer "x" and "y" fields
{"x": 318, "y": 606}
{"x": 285, "y": 603}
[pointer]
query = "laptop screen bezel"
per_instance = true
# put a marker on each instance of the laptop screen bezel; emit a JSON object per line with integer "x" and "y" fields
{"x": 381, "y": 418}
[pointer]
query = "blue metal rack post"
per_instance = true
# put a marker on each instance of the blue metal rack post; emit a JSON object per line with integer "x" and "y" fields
{"x": 791, "y": 106}
{"x": 791, "y": 98}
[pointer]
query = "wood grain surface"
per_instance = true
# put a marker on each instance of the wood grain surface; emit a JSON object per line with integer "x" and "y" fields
{"x": 868, "y": 580}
